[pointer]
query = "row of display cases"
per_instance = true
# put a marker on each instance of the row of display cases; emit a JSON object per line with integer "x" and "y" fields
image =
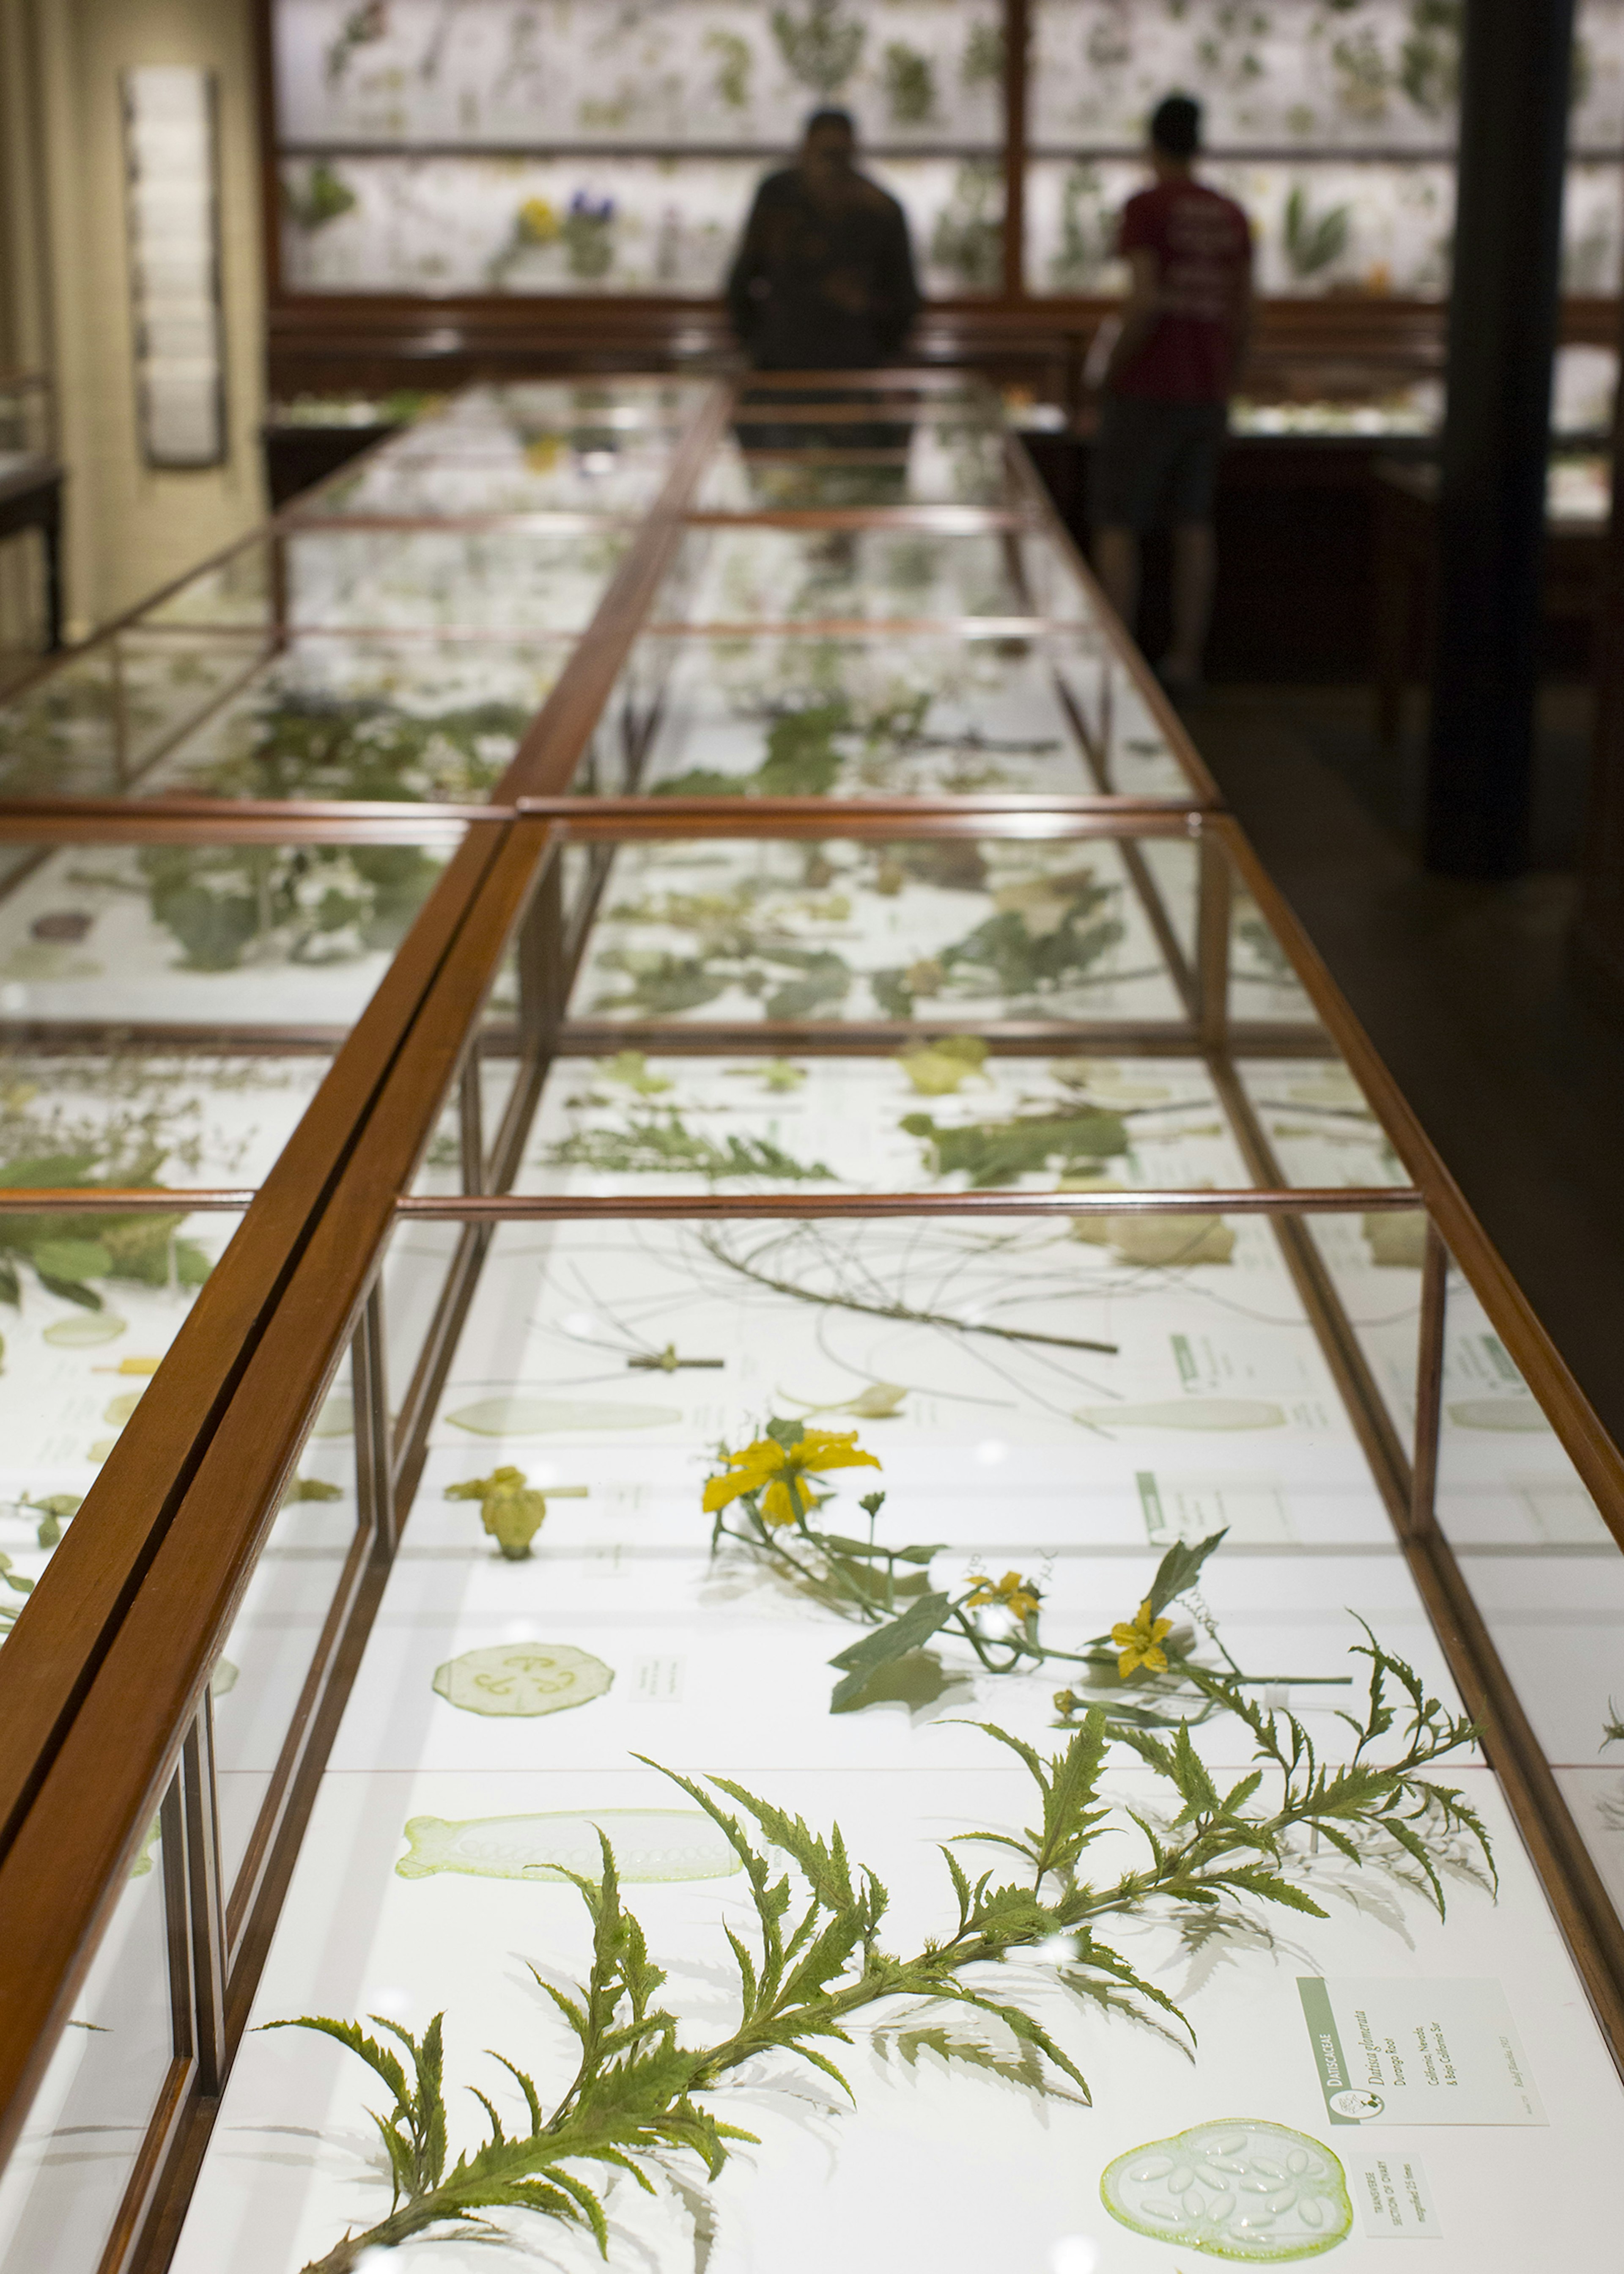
{"x": 838, "y": 998}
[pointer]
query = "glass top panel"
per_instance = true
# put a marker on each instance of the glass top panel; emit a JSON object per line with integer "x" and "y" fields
{"x": 1319, "y": 1123}
{"x": 90, "y": 1302}
{"x": 80, "y": 2146}
{"x": 802, "y": 716}
{"x": 1264, "y": 987}
{"x": 240, "y": 591}
{"x": 966, "y": 392}
{"x": 942, "y": 930}
{"x": 506, "y": 421}
{"x": 605, "y": 1363}
{"x": 1132, "y": 751}
{"x": 500, "y": 580}
{"x": 771, "y": 464}
{"x": 946, "y": 1115}
{"x": 597, "y": 473}
{"x": 236, "y": 937}
{"x": 492, "y": 580}
{"x": 749, "y": 576}
{"x": 343, "y": 716}
{"x": 127, "y": 1114}
{"x": 1546, "y": 1572}
{"x": 533, "y": 448}
{"x": 62, "y": 734}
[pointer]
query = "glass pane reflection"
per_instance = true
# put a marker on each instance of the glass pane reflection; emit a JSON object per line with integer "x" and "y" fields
{"x": 62, "y": 2186}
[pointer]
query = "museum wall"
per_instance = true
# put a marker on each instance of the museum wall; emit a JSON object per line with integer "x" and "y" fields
{"x": 129, "y": 525}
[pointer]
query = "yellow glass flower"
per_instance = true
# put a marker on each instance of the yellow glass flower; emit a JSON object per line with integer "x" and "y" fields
{"x": 538, "y": 222}
{"x": 1018, "y": 1596}
{"x": 1139, "y": 1640}
{"x": 778, "y": 1471}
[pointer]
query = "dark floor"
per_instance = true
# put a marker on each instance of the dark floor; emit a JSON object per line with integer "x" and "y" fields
{"x": 1462, "y": 987}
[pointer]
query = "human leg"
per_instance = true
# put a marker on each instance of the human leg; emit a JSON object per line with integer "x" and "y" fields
{"x": 1195, "y": 570}
{"x": 1122, "y": 481}
{"x": 1117, "y": 565}
{"x": 1191, "y": 481}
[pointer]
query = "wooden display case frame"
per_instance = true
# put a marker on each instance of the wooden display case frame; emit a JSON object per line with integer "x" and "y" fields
{"x": 104, "y": 1686}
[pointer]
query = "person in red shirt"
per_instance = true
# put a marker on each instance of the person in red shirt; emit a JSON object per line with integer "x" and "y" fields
{"x": 1167, "y": 384}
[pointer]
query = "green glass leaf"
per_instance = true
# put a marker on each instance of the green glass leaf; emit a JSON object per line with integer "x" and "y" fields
{"x": 861, "y": 1660}
{"x": 71, "y": 1259}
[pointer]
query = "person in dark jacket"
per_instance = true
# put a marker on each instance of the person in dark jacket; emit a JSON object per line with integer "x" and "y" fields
{"x": 824, "y": 279}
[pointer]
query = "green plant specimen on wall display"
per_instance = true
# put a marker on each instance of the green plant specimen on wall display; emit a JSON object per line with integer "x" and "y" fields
{"x": 1430, "y": 66}
{"x": 822, "y": 45}
{"x": 815, "y": 1970}
{"x": 982, "y": 61}
{"x": 968, "y": 237}
{"x": 1313, "y": 242}
{"x": 910, "y": 84}
{"x": 732, "y": 67}
{"x": 326, "y": 196}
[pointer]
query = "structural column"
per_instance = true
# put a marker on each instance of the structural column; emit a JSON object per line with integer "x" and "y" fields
{"x": 1503, "y": 309}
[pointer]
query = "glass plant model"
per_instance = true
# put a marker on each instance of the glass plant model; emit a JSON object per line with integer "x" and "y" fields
{"x": 1145, "y": 1664}
{"x": 815, "y": 1970}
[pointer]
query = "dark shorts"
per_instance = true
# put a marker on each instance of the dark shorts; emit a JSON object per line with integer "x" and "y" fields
{"x": 1154, "y": 462}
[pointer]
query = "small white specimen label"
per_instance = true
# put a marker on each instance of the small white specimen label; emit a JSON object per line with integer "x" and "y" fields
{"x": 1394, "y": 2201}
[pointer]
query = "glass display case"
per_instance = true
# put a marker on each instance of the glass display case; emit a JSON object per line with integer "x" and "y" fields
{"x": 717, "y": 1204}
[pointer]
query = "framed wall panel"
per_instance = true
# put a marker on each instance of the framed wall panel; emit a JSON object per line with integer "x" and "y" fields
{"x": 172, "y": 205}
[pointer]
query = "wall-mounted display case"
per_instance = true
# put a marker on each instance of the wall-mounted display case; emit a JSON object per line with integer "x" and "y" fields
{"x": 725, "y": 1171}
{"x": 511, "y": 147}
{"x": 508, "y": 151}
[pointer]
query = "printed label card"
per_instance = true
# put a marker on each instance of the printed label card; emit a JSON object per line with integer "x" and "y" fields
{"x": 1252, "y": 1510}
{"x": 1393, "y": 2198}
{"x": 1418, "y": 2052}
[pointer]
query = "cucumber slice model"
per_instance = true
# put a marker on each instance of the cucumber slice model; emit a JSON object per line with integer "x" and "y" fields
{"x": 1239, "y": 2188}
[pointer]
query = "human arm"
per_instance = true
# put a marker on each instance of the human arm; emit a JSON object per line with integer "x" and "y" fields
{"x": 1140, "y": 310}
{"x": 1240, "y": 318}
{"x": 746, "y": 280}
{"x": 896, "y": 286}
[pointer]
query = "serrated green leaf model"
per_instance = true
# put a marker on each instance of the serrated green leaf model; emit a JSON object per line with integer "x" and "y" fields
{"x": 814, "y": 1971}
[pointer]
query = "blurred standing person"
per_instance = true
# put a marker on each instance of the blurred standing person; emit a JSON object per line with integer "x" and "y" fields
{"x": 1166, "y": 385}
{"x": 823, "y": 278}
